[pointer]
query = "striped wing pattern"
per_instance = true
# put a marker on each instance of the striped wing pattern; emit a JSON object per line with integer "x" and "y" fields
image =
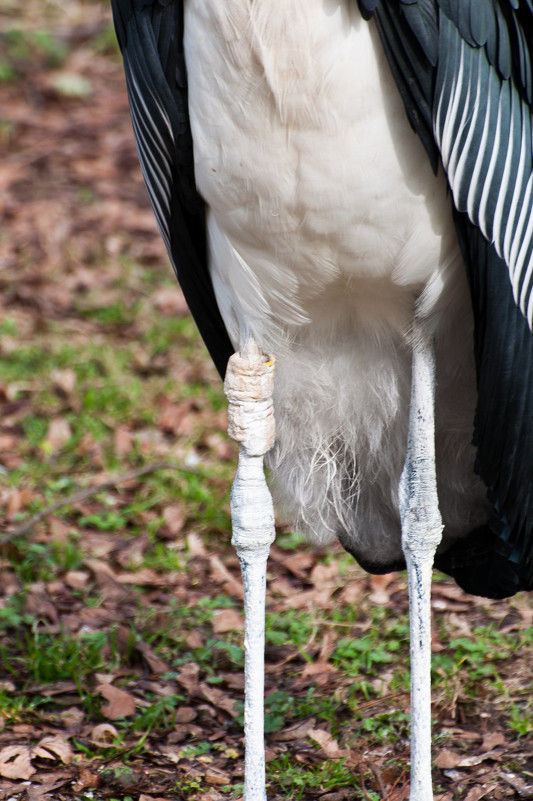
{"x": 464, "y": 70}
{"x": 150, "y": 34}
{"x": 482, "y": 126}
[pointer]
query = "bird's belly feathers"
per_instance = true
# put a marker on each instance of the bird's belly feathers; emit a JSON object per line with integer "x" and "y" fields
{"x": 327, "y": 230}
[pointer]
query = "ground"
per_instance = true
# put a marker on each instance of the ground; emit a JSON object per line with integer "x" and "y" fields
{"x": 120, "y": 596}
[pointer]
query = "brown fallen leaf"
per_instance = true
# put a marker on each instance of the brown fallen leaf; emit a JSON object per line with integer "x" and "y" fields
{"x": 65, "y": 380}
{"x": 59, "y": 433}
{"x": 351, "y": 594}
{"x": 107, "y": 581}
{"x": 104, "y": 735}
{"x": 86, "y": 779}
{"x": 72, "y": 718}
{"x": 296, "y": 732}
{"x": 15, "y": 762}
{"x": 446, "y": 759}
{"x": 18, "y": 499}
{"x": 227, "y": 620}
{"x": 221, "y": 575}
{"x": 477, "y": 759}
{"x": 380, "y": 588}
{"x": 478, "y": 791}
{"x": 121, "y": 703}
{"x": 185, "y": 714}
{"x": 324, "y": 575}
{"x": 312, "y": 599}
{"x": 217, "y": 777}
{"x": 154, "y": 662}
{"x": 195, "y": 544}
{"x": 492, "y": 740}
{"x": 77, "y": 579}
{"x": 170, "y": 301}
{"x": 52, "y": 747}
{"x": 328, "y": 744}
{"x": 195, "y": 639}
{"x": 321, "y": 672}
{"x": 174, "y": 518}
{"x": 220, "y": 699}
{"x": 298, "y": 563}
{"x": 188, "y": 678}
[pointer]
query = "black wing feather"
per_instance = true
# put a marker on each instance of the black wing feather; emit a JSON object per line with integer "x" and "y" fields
{"x": 470, "y": 86}
{"x": 150, "y": 35}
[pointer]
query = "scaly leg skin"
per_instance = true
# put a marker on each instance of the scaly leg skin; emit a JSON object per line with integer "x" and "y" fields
{"x": 248, "y": 386}
{"x": 421, "y": 535}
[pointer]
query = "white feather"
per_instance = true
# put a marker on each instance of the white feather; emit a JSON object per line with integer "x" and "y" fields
{"x": 328, "y": 233}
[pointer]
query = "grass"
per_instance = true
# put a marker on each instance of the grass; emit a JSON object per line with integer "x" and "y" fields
{"x": 107, "y": 393}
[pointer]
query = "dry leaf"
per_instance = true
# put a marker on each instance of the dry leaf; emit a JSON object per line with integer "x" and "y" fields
{"x": 195, "y": 639}
{"x": 15, "y": 762}
{"x": 351, "y": 593}
{"x": 154, "y": 662}
{"x": 297, "y": 563}
{"x": 122, "y": 441}
{"x": 65, "y": 380}
{"x": 185, "y": 714}
{"x": 121, "y": 704}
{"x": 59, "y": 433}
{"x": 52, "y": 747}
{"x": 86, "y": 778}
{"x": 107, "y": 581}
{"x": 492, "y": 740}
{"x": 217, "y": 777}
{"x": 478, "y": 792}
{"x": 104, "y": 735}
{"x": 380, "y": 592}
{"x": 188, "y": 678}
{"x": 312, "y": 599}
{"x": 77, "y": 579}
{"x": 219, "y": 698}
{"x": 170, "y": 300}
{"x": 195, "y": 544}
{"x": 227, "y": 620}
{"x": 323, "y": 575}
{"x": 477, "y": 759}
{"x": 174, "y": 518}
{"x": 328, "y": 743}
{"x": 221, "y": 575}
{"x": 18, "y": 500}
{"x": 320, "y": 672}
{"x": 59, "y": 529}
{"x": 72, "y": 717}
{"x": 446, "y": 759}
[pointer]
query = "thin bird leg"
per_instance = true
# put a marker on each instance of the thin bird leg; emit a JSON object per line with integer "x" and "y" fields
{"x": 421, "y": 534}
{"x": 249, "y": 385}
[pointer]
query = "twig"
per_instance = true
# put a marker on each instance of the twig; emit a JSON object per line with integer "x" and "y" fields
{"x": 379, "y": 780}
{"x": 89, "y": 492}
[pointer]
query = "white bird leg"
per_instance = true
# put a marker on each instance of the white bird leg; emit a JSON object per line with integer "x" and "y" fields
{"x": 249, "y": 385}
{"x": 421, "y": 534}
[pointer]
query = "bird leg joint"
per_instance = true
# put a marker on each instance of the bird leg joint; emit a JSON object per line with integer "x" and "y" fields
{"x": 249, "y": 385}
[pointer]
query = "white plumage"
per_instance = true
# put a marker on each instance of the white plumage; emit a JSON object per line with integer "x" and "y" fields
{"x": 327, "y": 229}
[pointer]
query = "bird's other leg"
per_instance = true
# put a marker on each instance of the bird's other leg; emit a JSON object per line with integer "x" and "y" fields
{"x": 421, "y": 534}
{"x": 249, "y": 385}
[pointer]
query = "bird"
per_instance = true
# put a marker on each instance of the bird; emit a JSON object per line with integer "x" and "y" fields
{"x": 346, "y": 186}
